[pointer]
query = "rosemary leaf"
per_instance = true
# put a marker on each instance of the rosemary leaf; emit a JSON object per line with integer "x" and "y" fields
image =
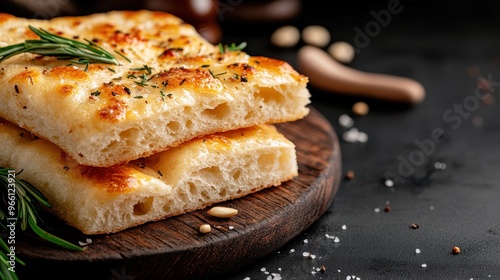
{"x": 28, "y": 201}
{"x": 231, "y": 48}
{"x": 57, "y": 46}
{"x": 52, "y": 238}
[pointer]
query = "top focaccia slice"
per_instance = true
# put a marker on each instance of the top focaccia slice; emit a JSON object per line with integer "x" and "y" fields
{"x": 175, "y": 86}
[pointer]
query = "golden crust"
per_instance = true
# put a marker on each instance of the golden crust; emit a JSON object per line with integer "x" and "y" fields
{"x": 174, "y": 75}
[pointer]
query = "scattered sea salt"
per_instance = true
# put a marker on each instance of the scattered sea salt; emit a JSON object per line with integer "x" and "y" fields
{"x": 424, "y": 265}
{"x": 231, "y": 227}
{"x": 376, "y": 210}
{"x": 87, "y": 242}
{"x": 306, "y": 241}
{"x": 344, "y": 227}
{"x": 346, "y": 121}
{"x": 362, "y": 137}
{"x": 417, "y": 251}
{"x": 354, "y": 135}
{"x": 306, "y": 254}
{"x": 440, "y": 165}
{"x": 389, "y": 183}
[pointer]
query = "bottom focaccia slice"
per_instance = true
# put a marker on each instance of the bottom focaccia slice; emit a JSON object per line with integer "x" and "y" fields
{"x": 198, "y": 173}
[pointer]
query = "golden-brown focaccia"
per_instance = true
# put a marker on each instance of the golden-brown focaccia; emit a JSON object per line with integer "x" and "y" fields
{"x": 190, "y": 176}
{"x": 177, "y": 86}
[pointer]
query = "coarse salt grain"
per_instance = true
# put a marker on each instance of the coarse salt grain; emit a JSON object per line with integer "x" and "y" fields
{"x": 424, "y": 265}
{"x": 87, "y": 242}
{"x": 362, "y": 137}
{"x": 306, "y": 254}
{"x": 231, "y": 227}
{"x": 354, "y": 135}
{"x": 376, "y": 210}
{"x": 389, "y": 183}
{"x": 246, "y": 278}
{"x": 351, "y": 135}
{"x": 292, "y": 250}
{"x": 306, "y": 241}
{"x": 346, "y": 121}
{"x": 311, "y": 256}
{"x": 344, "y": 227}
{"x": 276, "y": 276}
{"x": 417, "y": 251}
{"x": 440, "y": 165}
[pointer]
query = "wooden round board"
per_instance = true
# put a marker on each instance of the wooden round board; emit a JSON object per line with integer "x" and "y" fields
{"x": 174, "y": 249}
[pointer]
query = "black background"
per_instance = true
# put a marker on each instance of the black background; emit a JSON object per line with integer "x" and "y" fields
{"x": 436, "y": 44}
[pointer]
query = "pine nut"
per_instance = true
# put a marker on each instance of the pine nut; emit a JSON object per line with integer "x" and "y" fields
{"x": 205, "y": 228}
{"x": 222, "y": 212}
{"x": 316, "y": 35}
{"x": 341, "y": 51}
{"x": 285, "y": 36}
{"x": 360, "y": 108}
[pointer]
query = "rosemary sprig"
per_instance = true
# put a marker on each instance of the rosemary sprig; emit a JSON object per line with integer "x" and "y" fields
{"x": 51, "y": 44}
{"x": 22, "y": 202}
{"x": 231, "y": 48}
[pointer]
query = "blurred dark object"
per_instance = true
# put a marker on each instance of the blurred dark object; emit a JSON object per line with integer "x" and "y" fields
{"x": 202, "y": 14}
{"x": 259, "y": 11}
{"x": 206, "y": 16}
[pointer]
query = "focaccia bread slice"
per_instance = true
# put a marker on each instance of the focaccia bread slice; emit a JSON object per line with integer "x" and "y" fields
{"x": 177, "y": 86}
{"x": 191, "y": 176}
